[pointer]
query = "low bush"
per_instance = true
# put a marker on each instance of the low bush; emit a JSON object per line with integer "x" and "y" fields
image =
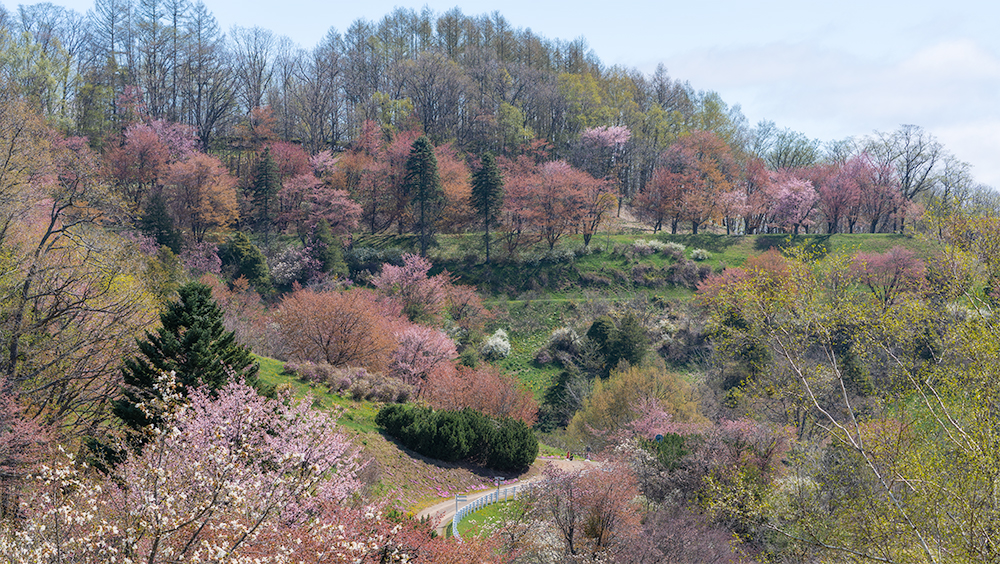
{"x": 354, "y": 382}
{"x": 687, "y": 274}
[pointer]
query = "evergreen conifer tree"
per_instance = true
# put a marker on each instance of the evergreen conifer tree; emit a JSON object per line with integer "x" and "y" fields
{"x": 487, "y": 195}
{"x": 240, "y": 257}
{"x": 328, "y": 249}
{"x": 266, "y": 184}
{"x": 157, "y": 223}
{"x": 424, "y": 185}
{"x": 193, "y": 344}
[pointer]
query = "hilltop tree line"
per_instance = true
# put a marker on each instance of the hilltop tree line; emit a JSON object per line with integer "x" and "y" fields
{"x": 171, "y": 101}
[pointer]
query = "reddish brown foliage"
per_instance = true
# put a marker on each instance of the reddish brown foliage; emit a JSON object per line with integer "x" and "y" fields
{"x": 454, "y": 173}
{"x": 290, "y": 159}
{"x": 356, "y": 328}
{"x": 137, "y": 164}
{"x": 695, "y": 175}
{"x": 245, "y": 314}
{"x": 484, "y": 389}
{"x": 466, "y": 309}
{"x": 203, "y": 194}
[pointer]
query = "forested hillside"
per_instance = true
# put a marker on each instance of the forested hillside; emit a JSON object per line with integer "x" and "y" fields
{"x": 243, "y": 285}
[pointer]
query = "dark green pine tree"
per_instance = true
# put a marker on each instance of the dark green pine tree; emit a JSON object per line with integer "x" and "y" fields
{"x": 328, "y": 249}
{"x": 240, "y": 257}
{"x": 193, "y": 344}
{"x": 626, "y": 341}
{"x": 265, "y": 187}
{"x": 487, "y": 195}
{"x": 424, "y": 186}
{"x": 630, "y": 342}
{"x": 157, "y": 223}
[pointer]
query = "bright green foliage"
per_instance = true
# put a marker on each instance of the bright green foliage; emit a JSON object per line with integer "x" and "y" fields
{"x": 616, "y": 403}
{"x": 193, "y": 344}
{"x": 893, "y": 403}
{"x": 424, "y": 185}
{"x": 487, "y": 195}
{"x": 501, "y": 444}
{"x": 240, "y": 257}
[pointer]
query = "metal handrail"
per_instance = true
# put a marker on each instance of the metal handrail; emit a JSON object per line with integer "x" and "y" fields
{"x": 477, "y": 504}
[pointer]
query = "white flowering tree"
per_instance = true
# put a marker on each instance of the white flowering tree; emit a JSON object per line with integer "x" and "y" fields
{"x": 216, "y": 483}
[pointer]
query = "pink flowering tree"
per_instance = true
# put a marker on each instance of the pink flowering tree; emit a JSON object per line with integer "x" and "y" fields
{"x": 180, "y": 140}
{"x": 21, "y": 443}
{"x": 889, "y": 275}
{"x": 422, "y": 351}
{"x": 423, "y": 297}
{"x": 794, "y": 201}
{"x": 211, "y": 485}
{"x": 305, "y": 199}
{"x": 590, "y": 510}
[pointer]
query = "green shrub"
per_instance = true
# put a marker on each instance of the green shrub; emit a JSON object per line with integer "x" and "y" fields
{"x": 513, "y": 446}
{"x": 505, "y": 444}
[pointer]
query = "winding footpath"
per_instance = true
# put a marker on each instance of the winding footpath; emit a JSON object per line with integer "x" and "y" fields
{"x": 442, "y": 513}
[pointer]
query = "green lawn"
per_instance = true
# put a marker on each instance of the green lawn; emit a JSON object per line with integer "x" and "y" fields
{"x": 472, "y": 524}
{"x": 359, "y": 416}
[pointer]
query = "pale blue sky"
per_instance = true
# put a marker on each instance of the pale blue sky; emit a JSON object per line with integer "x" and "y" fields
{"x": 828, "y": 69}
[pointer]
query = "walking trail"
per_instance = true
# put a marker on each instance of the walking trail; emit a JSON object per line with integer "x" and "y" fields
{"x": 442, "y": 513}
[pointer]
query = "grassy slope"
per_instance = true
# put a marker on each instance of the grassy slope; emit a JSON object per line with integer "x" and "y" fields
{"x": 470, "y": 525}
{"x": 531, "y": 298}
{"x": 413, "y": 481}
{"x": 405, "y": 478}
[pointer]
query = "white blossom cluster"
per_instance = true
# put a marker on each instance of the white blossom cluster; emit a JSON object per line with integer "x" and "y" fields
{"x": 496, "y": 346}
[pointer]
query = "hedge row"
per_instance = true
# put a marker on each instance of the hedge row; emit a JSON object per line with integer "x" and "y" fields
{"x": 501, "y": 444}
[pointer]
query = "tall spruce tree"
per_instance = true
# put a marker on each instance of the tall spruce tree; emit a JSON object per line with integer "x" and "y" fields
{"x": 266, "y": 184}
{"x": 424, "y": 186}
{"x": 156, "y": 222}
{"x": 328, "y": 249}
{"x": 487, "y": 195}
{"x": 193, "y": 344}
{"x": 240, "y": 257}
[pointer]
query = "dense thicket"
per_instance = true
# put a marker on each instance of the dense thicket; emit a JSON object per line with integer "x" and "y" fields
{"x": 502, "y": 444}
{"x": 473, "y": 80}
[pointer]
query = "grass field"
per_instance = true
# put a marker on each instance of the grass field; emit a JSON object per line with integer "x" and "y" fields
{"x": 356, "y": 415}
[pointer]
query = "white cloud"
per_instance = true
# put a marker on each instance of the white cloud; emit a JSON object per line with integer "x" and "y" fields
{"x": 948, "y": 88}
{"x": 960, "y": 59}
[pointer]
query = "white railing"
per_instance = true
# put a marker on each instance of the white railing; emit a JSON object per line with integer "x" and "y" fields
{"x": 503, "y": 494}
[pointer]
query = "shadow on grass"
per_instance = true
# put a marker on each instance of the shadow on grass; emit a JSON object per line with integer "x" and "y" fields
{"x": 711, "y": 242}
{"x": 784, "y": 241}
{"x": 487, "y": 474}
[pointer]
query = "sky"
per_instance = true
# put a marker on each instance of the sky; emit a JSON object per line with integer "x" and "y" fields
{"x": 829, "y": 70}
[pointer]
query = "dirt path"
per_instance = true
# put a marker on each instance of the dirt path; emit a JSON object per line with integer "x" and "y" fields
{"x": 442, "y": 513}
